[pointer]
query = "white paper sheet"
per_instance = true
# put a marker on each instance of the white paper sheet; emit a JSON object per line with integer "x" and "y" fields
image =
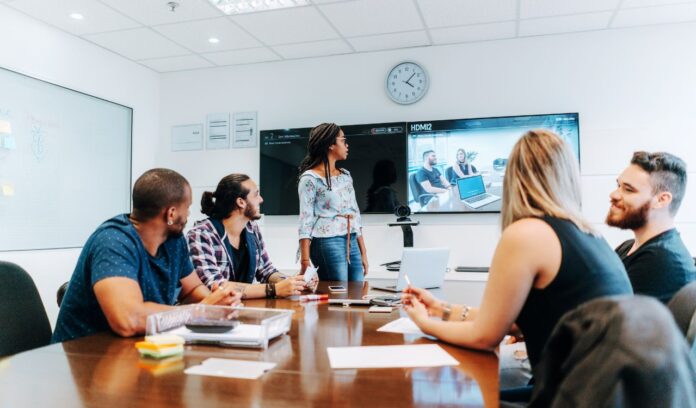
{"x": 420, "y": 355}
{"x": 403, "y": 325}
{"x": 310, "y": 273}
{"x": 221, "y": 367}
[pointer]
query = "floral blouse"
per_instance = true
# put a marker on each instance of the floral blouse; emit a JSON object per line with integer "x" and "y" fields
{"x": 322, "y": 210}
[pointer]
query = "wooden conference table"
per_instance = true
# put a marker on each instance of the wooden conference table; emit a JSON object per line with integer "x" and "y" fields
{"x": 106, "y": 371}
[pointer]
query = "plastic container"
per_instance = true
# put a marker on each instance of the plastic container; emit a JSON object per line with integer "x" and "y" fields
{"x": 253, "y": 327}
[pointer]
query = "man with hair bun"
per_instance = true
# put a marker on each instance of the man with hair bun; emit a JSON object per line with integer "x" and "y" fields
{"x": 228, "y": 246}
{"x": 646, "y": 200}
{"x": 136, "y": 264}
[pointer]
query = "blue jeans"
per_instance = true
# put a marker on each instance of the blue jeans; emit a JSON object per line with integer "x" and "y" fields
{"x": 329, "y": 255}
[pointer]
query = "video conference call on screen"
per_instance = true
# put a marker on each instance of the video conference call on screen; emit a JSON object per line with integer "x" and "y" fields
{"x": 399, "y": 163}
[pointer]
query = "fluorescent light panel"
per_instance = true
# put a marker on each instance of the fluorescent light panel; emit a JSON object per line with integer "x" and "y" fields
{"x": 250, "y": 6}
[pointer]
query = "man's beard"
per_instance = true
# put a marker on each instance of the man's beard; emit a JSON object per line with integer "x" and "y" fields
{"x": 432, "y": 162}
{"x": 252, "y": 213}
{"x": 632, "y": 219}
{"x": 176, "y": 230}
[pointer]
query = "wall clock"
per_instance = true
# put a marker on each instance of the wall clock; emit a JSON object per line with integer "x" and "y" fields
{"x": 407, "y": 83}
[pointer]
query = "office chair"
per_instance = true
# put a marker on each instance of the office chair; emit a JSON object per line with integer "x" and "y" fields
{"x": 450, "y": 175}
{"x": 419, "y": 194}
{"x": 619, "y": 351}
{"x": 60, "y": 294}
{"x": 23, "y": 321}
{"x": 683, "y": 308}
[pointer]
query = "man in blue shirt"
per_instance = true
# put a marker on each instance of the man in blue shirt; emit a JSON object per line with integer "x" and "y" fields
{"x": 646, "y": 200}
{"x": 429, "y": 177}
{"x": 136, "y": 264}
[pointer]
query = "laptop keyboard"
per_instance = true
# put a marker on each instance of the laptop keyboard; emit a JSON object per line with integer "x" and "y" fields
{"x": 478, "y": 198}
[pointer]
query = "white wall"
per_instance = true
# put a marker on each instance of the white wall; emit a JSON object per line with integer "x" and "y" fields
{"x": 633, "y": 88}
{"x": 38, "y": 50}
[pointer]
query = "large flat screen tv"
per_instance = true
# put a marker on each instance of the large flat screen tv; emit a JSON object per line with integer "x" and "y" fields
{"x": 386, "y": 162}
{"x": 436, "y": 152}
{"x": 376, "y": 161}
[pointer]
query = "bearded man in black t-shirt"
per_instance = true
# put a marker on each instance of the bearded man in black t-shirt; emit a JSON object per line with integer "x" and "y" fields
{"x": 649, "y": 192}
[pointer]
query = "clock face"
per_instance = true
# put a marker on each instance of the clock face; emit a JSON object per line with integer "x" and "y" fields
{"x": 407, "y": 83}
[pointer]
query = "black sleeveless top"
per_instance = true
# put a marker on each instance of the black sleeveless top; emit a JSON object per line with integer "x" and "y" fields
{"x": 589, "y": 269}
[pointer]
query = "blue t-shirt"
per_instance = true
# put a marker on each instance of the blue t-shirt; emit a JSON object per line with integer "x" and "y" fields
{"x": 116, "y": 250}
{"x": 433, "y": 176}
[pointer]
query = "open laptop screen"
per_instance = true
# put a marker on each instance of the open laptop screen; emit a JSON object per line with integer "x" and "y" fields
{"x": 470, "y": 187}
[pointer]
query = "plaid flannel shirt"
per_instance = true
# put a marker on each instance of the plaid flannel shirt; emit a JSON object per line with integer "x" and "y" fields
{"x": 211, "y": 260}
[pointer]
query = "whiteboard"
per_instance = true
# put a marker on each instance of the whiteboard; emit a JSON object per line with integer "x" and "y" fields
{"x": 65, "y": 163}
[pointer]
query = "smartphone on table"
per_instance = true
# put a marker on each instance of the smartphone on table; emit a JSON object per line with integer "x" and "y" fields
{"x": 337, "y": 289}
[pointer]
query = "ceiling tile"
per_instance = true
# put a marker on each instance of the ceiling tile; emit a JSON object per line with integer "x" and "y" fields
{"x": 367, "y": 17}
{"x": 313, "y": 49}
{"x": 328, "y": 1}
{"x": 152, "y": 12}
{"x": 287, "y": 26}
{"x": 194, "y": 35}
{"x": 447, "y": 13}
{"x": 97, "y": 17}
{"x": 547, "y": 8}
{"x": 480, "y": 32}
{"x": 177, "y": 63}
{"x": 141, "y": 43}
{"x": 242, "y": 56}
{"x": 389, "y": 41}
{"x": 646, "y": 3}
{"x": 565, "y": 24}
{"x": 677, "y": 13}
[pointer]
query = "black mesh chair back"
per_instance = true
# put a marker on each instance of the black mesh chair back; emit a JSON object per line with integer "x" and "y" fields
{"x": 683, "y": 308}
{"x": 450, "y": 175}
{"x": 60, "y": 294}
{"x": 417, "y": 192}
{"x": 23, "y": 321}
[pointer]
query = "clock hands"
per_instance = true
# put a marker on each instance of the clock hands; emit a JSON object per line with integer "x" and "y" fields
{"x": 407, "y": 82}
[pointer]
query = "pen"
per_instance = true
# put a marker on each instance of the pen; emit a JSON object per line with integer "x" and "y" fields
{"x": 408, "y": 281}
{"x": 306, "y": 298}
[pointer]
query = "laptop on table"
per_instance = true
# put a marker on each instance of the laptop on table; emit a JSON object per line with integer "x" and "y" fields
{"x": 472, "y": 192}
{"x": 425, "y": 267}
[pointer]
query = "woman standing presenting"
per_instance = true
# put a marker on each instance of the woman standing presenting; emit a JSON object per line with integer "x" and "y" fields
{"x": 330, "y": 231}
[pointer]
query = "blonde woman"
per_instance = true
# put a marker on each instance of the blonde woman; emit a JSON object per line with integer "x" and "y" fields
{"x": 548, "y": 260}
{"x": 462, "y": 167}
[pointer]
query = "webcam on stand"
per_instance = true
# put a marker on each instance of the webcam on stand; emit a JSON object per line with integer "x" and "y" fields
{"x": 402, "y": 213}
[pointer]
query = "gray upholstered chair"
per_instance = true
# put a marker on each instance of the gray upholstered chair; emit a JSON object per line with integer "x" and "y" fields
{"x": 683, "y": 308}
{"x": 622, "y": 351}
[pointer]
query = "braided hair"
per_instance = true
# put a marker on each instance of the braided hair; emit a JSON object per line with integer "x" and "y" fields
{"x": 320, "y": 139}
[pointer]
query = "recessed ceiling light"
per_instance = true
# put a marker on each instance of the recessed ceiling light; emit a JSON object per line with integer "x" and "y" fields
{"x": 213, "y": 40}
{"x": 250, "y": 6}
{"x": 76, "y": 16}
